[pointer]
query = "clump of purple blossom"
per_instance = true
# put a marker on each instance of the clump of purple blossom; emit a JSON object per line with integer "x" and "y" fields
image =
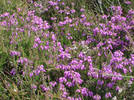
{"x": 68, "y": 56}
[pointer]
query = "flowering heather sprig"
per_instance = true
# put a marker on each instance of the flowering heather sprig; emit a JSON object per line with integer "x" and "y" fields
{"x": 37, "y": 42}
{"x": 97, "y": 97}
{"x": 100, "y": 82}
{"x": 39, "y": 69}
{"x": 64, "y": 54}
{"x": 26, "y": 63}
{"x": 37, "y": 20}
{"x": 33, "y": 86}
{"x": 84, "y": 91}
{"x": 53, "y": 84}
{"x": 128, "y": 2}
{"x": 22, "y": 60}
{"x": 13, "y": 20}
{"x": 108, "y": 95}
{"x": 38, "y": 24}
{"x": 52, "y": 3}
{"x": 15, "y": 53}
{"x": 74, "y": 76}
{"x": 117, "y": 10}
{"x": 44, "y": 88}
{"x": 13, "y": 71}
{"x": 62, "y": 80}
{"x": 6, "y": 14}
{"x": 3, "y": 23}
{"x": 89, "y": 56}
{"x": 132, "y": 59}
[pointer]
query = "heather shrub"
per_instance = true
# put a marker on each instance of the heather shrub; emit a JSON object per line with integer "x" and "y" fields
{"x": 58, "y": 50}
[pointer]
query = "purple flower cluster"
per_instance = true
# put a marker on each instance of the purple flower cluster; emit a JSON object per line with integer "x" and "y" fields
{"x": 88, "y": 60}
{"x": 15, "y": 53}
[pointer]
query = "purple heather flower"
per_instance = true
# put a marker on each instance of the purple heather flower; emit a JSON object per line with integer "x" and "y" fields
{"x": 131, "y": 12}
{"x": 110, "y": 85}
{"x": 63, "y": 3}
{"x": 31, "y": 74}
{"x": 13, "y": 71}
{"x": 69, "y": 84}
{"x": 90, "y": 93}
{"x": 44, "y": 25}
{"x": 35, "y": 45}
{"x": 41, "y": 68}
{"x": 19, "y": 9}
{"x": 37, "y": 40}
{"x": 53, "y": 84}
{"x": 70, "y": 98}
{"x": 44, "y": 88}
{"x": 82, "y": 10}
{"x": 36, "y": 72}
{"x": 64, "y": 55}
{"x": 108, "y": 95}
{"x": 22, "y": 60}
{"x": 100, "y": 82}
{"x": 15, "y": 53}
{"x": 33, "y": 86}
{"x": 72, "y": 11}
{"x": 117, "y": 9}
{"x": 53, "y": 37}
{"x": 62, "y": 80}
{"x": 42, "y": 47}
{"x": 64, "y": 94}
{"x": 118, "y": 54}
{"x": 3, "y": 23}
{"x": 97, "y": 97}
{"x": 117, "y": 88}
{"x": 61, "y": 11}
{"x": 104, "y": 17}
{"x": 128, "y": 2}
{"x": 94, "y": 74}
{"x": 4, "y": 14}
{"x": 79, "y": 98}
{"x": 52, "y": 3}
{"x": 62, "y": 87}
{"x": 62, "y": 23}
{"x": 84, "y": 91}
{"x": 78, "y": 91}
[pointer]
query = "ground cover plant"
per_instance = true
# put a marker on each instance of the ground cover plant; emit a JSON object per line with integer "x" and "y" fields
{"x": 66, "y": 50}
